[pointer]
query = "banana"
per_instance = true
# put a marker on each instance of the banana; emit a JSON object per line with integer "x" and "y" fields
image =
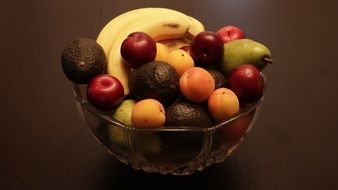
{"x": 175, "y": 43}
{"x": 113, "y": 28}
{"x": 159, "y": 28}
{"x": 198, "y": 26}
{"x": 160, "y": 23}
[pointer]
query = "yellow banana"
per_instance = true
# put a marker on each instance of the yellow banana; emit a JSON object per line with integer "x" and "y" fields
{"x": 113, "y": 28}
{"x": 159, "y": 28}
{"x": 159, "y": 23}
{"x": 197, "y": 25}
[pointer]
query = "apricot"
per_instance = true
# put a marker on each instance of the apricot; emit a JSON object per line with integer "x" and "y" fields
{"x": 223, "y": 103}
{"x": 148, "y": 113}
{"x": 180, "y": 60}
{"x": 197, "y": 84}
{"x": 162, "y": 52}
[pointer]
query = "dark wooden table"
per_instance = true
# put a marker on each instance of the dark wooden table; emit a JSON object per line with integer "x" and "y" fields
{"x": 45, "y": 145}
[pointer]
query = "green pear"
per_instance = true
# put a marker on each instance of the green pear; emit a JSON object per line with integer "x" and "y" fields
{"x": 149, "y": 144}
{"x": 244, "y": 51}
{"x": 116, "y": 136}
{"x": 123, "y": 112}
{"x": 123, "y": 115}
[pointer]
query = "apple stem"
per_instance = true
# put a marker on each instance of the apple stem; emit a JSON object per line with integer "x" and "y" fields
{"x": 268, "y": 60}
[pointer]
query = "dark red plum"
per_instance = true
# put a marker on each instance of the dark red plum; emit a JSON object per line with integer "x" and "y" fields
{"x": 105, "y": 92}
{"x": 138, "y": 48}
{"x": 246, "y": 82}
{"x": 206, "y": 49}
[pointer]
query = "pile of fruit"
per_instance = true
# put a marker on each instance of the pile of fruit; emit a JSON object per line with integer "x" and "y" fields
{"x": 155, "y": 67}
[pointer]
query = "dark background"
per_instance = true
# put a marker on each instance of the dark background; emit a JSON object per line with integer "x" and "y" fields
{"x": 45, "y": 145}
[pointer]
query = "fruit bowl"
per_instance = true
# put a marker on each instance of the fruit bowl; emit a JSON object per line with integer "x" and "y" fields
{"x": 179, "y": 150}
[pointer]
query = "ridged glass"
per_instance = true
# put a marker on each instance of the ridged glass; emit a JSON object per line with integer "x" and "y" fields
{"x": 178, "y": 150}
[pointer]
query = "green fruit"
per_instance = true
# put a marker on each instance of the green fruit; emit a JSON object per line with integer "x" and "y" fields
{"x": 244, "y": 51}
{"x": 185, "y": 113}
{"x": 149, "y": 144}
{"x": 157, "y": 80}
{"x": 123, "y": 115}
{"x": 219, "y": 78}
{"x": 82, "y": 59}
{"x": 116, "y": 136}
{"x": 123, "y": 112}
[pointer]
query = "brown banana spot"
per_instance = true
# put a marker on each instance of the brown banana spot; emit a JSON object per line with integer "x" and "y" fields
{"x": 172, "y": 25}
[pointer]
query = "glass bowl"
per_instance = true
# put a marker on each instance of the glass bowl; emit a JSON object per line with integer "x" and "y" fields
{"x": 179, "y": 150}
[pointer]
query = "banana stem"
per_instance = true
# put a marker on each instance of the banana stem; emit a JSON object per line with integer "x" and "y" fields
{"x": 268, "y": 60}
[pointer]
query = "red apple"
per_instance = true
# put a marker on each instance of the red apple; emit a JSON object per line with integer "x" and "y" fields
{"x": 206, "y": 48}
{"x": 246, "y": 82}
{"x": 236, "y": 129}
{"x": 138, "y": 48}
{"x": 230, "y": 33}
{"x": 105, "y": 92}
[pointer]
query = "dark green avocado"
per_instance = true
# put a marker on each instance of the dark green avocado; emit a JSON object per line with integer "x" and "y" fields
{"x": 184, "y": 113}
{"x": 157, "y": 80}
{"x": 219, "y": 78}
{"x": 82, "y": 59}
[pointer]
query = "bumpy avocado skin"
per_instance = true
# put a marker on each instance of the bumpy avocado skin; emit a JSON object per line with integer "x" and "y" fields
{"x": 218, "y": 77}
{"x": 157, "y": 80}
{"x": 185, "y": 113}
{"x": 82, "y": 59}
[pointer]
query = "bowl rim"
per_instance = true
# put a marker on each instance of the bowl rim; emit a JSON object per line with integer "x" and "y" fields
{"x": 104, "y": 116}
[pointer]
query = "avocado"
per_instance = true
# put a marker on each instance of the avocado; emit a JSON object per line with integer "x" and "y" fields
{"x": 157, "y": 80}
{"x": 188, "y": 143}
{"x": 82, "y": 59}
{"x": 184, "y": 113}
{"x": 219, "y": 78}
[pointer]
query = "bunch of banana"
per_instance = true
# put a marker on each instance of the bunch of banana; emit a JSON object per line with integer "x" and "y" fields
{"x": 161, "y": 24}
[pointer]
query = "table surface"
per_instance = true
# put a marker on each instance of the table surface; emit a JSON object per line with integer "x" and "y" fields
{"x": 45, "y": 145}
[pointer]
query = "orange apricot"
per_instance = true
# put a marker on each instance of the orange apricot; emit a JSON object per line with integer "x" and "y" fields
{"x": 222, "y": 103}
{"x": 148, "y": 113}
{"x": 180, "y": 60}
{"x": 197, "y": 84}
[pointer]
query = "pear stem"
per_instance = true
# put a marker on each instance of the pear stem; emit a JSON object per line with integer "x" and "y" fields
{"x": 268, "y": 60}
